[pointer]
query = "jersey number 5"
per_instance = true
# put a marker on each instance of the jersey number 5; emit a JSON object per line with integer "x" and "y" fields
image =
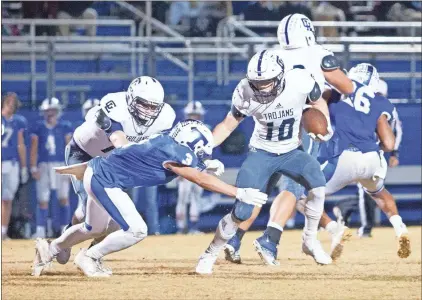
{"x": 282, "y": 134}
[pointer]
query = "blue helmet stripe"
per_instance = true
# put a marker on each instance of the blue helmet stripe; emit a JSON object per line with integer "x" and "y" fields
{"x": 370, "y": 71}
{"x": 285, "y": 29}
{"x": 260, "y": 62}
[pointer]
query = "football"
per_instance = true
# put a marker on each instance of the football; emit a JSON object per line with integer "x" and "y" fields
{"x": 314, "y": 121}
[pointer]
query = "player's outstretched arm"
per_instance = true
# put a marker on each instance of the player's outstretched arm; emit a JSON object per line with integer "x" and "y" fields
{"x": 385, "y": 133}
{"x": 340, "y": 81}
{"x": 226, "y": 127}
{"x": 77, "y": 170}
{"x": 213, "y": 184}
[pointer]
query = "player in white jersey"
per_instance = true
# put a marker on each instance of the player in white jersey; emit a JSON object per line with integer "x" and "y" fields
{"x": 275, "y": 99}
{"x": 88, "y": 104}
{"x": 119, "y": 118}
{"x": 299, "y": 49}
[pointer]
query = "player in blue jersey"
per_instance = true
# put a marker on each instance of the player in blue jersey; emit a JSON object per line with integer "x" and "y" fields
{"x": 355, "y": 152}
{"x": 48, "y": 141}
{"x": 13, "y": 152}
{"x": 155, "y": 161}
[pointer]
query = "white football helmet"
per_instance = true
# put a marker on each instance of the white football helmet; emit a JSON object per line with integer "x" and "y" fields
{"x": 194, "y": 110}
{"x": 365, "y": 74}
{"x": 51, "y": 107}
{"x": 383, "y": 88}
{"x": 265, "y": 74}
{"x": 196, "y": 136}
{"x": 145, "y": 99}
{"x": 88, "y": 104}
{"x": 296, "y": 31}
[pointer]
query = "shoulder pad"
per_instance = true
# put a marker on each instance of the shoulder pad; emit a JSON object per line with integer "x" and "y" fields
{"x": 315, "y": 93}
{"x": 102, "y": 120}
{"x": 165, "y": 119}
{"x": 114, "y": 106}
{"x": 330, "y": 63}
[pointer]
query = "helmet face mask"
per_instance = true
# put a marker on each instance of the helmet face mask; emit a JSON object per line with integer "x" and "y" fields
{"x": 144, "y": 112}
{"x": 266, "y": 91}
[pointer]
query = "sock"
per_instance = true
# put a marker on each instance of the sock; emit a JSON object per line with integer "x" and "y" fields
{"x": 42, "y": 217}
{"x": 180, "y": 222}
{"x": 64, "y": 215}
{"x": 240, "y": 233}
{"x": 226, "y": 229}
{"x": 41, "y": 231}
{"x": 274, "y": 232}
{"x": 331, "y": 227}
{"x": 314, "y": 208}
{"x": 398, "y": 225}
{"x": 3, "y": 230}
{"x": 194, "y": 225}
{"x": 72, "y": 236}
{"x": 114, "y": 242}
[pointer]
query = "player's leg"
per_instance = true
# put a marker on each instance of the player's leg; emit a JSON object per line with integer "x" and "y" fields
{"x": 9, "y": 187}
{"x": 123, "y": 211}
{"x": 62, "y": 188}
{"x": 43, "y": 197}
{"x": 386, "y": 202}
{"x": 183, "y": 189}
{"x": 255, "y": 172}
{"x": 194, "y": 210}
{"x": 305, "y": 169}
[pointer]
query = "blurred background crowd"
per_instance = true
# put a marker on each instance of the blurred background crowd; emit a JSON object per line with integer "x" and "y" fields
{"x": 200, "y": 18}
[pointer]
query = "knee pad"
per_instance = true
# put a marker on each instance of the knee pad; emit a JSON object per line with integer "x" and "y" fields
{"x": 242, "y": 211}
{"x": 378, "y": 188}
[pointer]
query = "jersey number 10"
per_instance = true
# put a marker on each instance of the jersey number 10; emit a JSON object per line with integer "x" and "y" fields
{"x": 283, "y": 132}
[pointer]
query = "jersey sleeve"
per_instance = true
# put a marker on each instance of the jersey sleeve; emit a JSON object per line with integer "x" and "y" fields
{"x": 383, "y": 107}
{"x": 106, "y": 123}
{"x": 302, "y": 81}
{"x": 35, "y": 130}
{"x": 240, "y": 105}
{"x": 185, "y": 156}
{"x": 22, "y": 124}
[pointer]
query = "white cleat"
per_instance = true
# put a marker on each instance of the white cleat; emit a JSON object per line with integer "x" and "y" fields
{"x": 313, "y": 248}
{"x": 89, "y": 266}
{"x": 63, "y": 256}
{"x": 206, "y": 263}
{"x": 338, "y": 238}
{"x": 43, "y": 259}
{"x": 106, "y": 269}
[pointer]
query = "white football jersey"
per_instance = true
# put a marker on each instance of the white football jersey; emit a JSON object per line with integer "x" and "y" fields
{"x": 308, "y": 57}
{"x": 277, "y": 124}
{"x": 94, "y": 141}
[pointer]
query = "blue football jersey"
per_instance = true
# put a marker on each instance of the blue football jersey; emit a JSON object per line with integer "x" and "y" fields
{"x": 51, "y": 140}
{"x": 142, "y": 164}
{"x": 9, "y": 136}
{"x": 354, "y": 121}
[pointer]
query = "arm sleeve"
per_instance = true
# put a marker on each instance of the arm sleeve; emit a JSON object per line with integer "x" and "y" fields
{"x": 398, "y": 130}
{"x": 106, "y": 123}
{"x": 238, "y": 109}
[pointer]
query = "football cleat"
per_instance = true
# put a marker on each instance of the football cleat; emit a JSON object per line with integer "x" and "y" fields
{"x": 206, "y": 263}
{"x": 267, "y": 250}
{"x": 43, "y": 259}
{"x": 338, "y": 238}
{"x": 231, "y": 250}
{"x": 312, "y": 247}
{"x": 89, "y": 266}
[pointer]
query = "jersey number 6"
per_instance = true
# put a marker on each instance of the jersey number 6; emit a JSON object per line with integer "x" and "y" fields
{"x": 282, "y": 134}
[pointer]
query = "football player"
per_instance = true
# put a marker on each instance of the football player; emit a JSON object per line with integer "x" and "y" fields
{"x": 13, "y": 156}
{"x": 296, "y": 35}
{"x": 275, "y": 100}
{"x": 189, "y": 193}
{"x": 152, "y": 162}
{"x": 88, "y": 104}
{"x": 48, "y": 141}
{"x": 119, "y": 118}
{"x": 354, "y": 154}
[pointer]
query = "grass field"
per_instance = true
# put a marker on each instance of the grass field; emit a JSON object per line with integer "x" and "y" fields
{"x": 161, "y": 267}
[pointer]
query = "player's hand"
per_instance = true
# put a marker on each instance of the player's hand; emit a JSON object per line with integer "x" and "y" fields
{"x": 35, "y": 173}
{"x": 251, "y": 196}
{"x": 393, "y": 161}
{"x": 214, "y": 166}
{"x": 24, "y": 175}
{"x": 320, "y": 137}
